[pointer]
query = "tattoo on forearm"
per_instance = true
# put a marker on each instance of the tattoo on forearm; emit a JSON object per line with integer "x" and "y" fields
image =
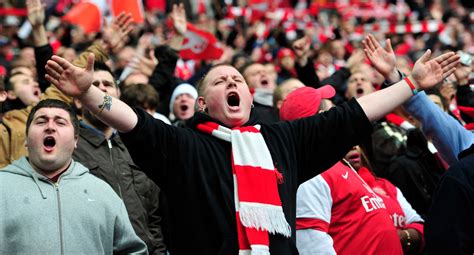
{"x": 107, "y": 104}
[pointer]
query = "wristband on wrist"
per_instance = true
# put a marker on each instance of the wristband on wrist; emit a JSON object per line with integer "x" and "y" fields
{"x": 408, "y": 241}
{"x": 412, "y": 87}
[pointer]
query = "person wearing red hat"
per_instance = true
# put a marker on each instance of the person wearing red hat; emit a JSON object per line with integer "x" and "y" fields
{"x": 333, "y": 218}
{"x": 246, "y": 212}
{"x": 306, "y": 101}
{"x": 282, "y": 91}
{"x": 286, "y": 64}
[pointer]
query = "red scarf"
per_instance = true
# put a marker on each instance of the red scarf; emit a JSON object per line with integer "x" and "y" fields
{"x": 257, "y": 202}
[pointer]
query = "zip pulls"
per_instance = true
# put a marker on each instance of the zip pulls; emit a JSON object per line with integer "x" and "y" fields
{"x": 60, "y": 220}
{"x": 117, "y": 174}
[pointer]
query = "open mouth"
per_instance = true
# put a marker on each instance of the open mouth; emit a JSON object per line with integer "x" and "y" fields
{"x": 264, "y": 83}
{"x": 36, "y": 93}
{"x": 183, "y": 108}
{"x": 233, "y": 99}
{"x": 354, "y": 156}
{"x": 49, "y": 143}
{"x": 360, "y": 91}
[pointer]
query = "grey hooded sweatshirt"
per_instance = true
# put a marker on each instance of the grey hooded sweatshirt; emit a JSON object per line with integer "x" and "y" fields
{"x": 80, "y": 214}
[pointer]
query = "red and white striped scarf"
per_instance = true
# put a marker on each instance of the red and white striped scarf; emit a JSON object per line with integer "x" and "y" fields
{"x": 257, "y": 202}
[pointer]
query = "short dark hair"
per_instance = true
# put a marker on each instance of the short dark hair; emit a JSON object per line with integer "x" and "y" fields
{"x": 54, "y": 103}
{"x": 143, "y": 95}
{"x": 8, "y": 84}
{"x": 435, "y": 91}
{"x": 101, "y": 66}
{"x": 247, "y": 65}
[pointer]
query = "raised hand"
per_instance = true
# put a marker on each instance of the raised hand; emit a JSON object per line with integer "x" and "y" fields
{"x": 383, "y": 59}
{"x": 427, "y": 73}
{"x": 115, "y": 33}
{"x": 178, "y": 15}
{"x": 145, "y": 65}
{"x": 71, "y": 80}
{"x": 35, "y": 12}
{"x": 301, "y": 48}
{"x": 355, "y": 60}
{"x": 462, "y": 74}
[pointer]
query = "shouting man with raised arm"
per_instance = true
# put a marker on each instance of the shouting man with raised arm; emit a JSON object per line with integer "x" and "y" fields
{"x": 227, "y": 177}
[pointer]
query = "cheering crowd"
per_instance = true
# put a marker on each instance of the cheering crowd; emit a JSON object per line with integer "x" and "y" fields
{"x": 237, "y": 127}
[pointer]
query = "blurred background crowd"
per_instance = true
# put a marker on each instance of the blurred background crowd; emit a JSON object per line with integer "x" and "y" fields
{"x": 277, "y": 45}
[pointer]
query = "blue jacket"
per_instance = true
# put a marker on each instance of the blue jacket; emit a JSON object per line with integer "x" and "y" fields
{"x": 80, "y": 214}
{"x": 448, "y": 136}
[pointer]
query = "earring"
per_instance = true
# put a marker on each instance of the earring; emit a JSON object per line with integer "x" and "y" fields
{"x": 252, "y": 106}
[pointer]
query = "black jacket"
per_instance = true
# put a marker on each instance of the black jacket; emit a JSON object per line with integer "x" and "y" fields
{"x": 163, "y": 79}
{"x": 307, "y": 75}
{"x": 265, "y": 114}
{"x": 110, "y": 161}
{"x": 194, "y": 170}
{"x": 416, "y": 173}
{"x": 42, "y": 55}
{"x": 450, "y": 225}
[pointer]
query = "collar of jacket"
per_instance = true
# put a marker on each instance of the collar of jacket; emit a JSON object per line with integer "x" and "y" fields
{"x": 96, "y": 137}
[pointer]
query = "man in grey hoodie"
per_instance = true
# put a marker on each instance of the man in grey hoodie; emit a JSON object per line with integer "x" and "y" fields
{"x": 50, "y": 204}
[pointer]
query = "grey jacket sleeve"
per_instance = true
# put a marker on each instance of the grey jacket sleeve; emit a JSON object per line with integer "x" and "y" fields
{"x": 125, "y": 239}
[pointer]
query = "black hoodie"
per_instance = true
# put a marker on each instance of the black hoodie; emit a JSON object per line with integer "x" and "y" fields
{"x": 196, "y": 176}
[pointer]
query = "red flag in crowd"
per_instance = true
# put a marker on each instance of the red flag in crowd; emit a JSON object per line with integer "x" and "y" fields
{"x": 156, "y": 5}
{"x": 13, "y": 12}
{"x": 199, "y": 44}
{"x": 135, "y": 7}
{"x": 87, "y": 14}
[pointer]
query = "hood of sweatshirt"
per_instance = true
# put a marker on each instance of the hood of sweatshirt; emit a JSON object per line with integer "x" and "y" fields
{"x": 22, "y": 167}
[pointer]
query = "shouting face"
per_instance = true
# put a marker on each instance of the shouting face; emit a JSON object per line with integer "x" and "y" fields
{"x": 226, "y": 96}
{"x": 51, "y": 140}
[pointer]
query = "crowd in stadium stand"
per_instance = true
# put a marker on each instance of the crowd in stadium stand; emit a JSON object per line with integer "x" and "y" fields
{"x": 237, "y": 127}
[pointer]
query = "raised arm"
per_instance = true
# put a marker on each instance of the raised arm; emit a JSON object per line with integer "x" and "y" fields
{"x": 448, "y": 136}
{"x": 115, "y": 33}
{"x": 178, "y": 15}
{"x": 76, "y": 82}
{"x": 426, "y": 74}
{"x": 304, "y": 65}
{"x": 36, "y": 18}
{"x": 43, "y": 51}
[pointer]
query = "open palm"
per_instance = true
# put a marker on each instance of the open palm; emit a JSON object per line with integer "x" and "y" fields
{"x": 35, "y": 12}
{"x": 427, "y": 73}
{"x": 71, "y": 80}
{"x": 178, "y": 15}
{"x": 115, "y": 33}
{"x": 383, "y": 59}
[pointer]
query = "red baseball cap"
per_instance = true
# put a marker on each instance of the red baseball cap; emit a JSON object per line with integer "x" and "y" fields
{"x": 285, "y": 52}
{"x": 304, "y": 102}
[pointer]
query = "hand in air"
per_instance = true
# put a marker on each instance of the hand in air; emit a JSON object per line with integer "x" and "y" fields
{"x": 71, "y": 80}
{"x": 427, "y": 73}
